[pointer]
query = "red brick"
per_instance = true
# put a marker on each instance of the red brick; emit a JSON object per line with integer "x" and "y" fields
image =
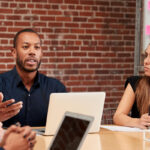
{"x": 88, "y": 60}
{"x": 78, "y": 19}
{"x": 79, "y": 89}
{"x": 71, "y": 60}
{"x": 85, "y": 37}
{"x": 80, "y": 31}
{"x": 54, "y": 12}
{"x": 75, "y": 25}
{"x": 60, "y": 30}
{"x": 86, "y": 13}
{"x": 70, "y": 37}
{"x": 117, "y": 4}
{"x": 14, "y": 29}
{"x": 63, "y": 19}
{"x": 79, "y": 7}
{"x": 55, "y": 6}
{"x": 87, "y": 25}
{"x": 21, "y": 11}
{"x": 77, "y": 66}
{"x": 6, "y": 60}
{"x": 55, "y": 1}
{"x": 4, "y": 42}
{"x": 89, "y": 2}
{"x": 54, "y": 60}
{"x": 43, "y": 1}
{"x": 22, "y": 5}
{"x": 95, "y": 20}
{"x": 48, "y": 66}
{"x": 64, "y": 66}
{"x": 53, "y": 24}
{"x": 71, "y": 72}
{"x": 4, "y": 4}
{"x": 94, "y": 66}
{"x": 92, "y": 31}
{"x": 71, "y": 7}
{"x": 94, "y": 89}
{"x": 31, "y": 18}
{"x": 88, "y": 72}
{"x": 71, "y": 13}
{"x": 3, "y": 29}
{"x": 40, "y": 24}
{"x": 7, "y": 11}
{"x": 14, "y": 17}
{"x": 64, "y": 54}
{"x": 23, "y": 0}
{"x": 79, "y": 54}
{"x": 96, "y": 54}
{"x": 71, "y": 2}
{"x": 39, "y": 12}
{"x": 22, "y": 24}
{"x": 6, "y": 35}
{"x": 30, "y": 5}
{"x": 13, "y": 5}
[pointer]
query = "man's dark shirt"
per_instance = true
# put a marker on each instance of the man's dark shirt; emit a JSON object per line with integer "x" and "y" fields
{"x": 35, "y": 101}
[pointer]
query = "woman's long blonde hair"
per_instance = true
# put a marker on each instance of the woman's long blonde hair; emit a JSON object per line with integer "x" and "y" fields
{"x": 142, "y": 95}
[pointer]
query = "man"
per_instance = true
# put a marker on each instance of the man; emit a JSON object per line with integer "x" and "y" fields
{"x": 21, "y": 138}
{"x": 26, "y": 92}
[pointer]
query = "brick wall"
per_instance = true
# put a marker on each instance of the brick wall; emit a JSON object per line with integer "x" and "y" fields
{"x": 87, "y": 44}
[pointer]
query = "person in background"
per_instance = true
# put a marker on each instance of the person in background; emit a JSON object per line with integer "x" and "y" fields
{"x": 24, "y": 91}
{"x": 136, "y": 98}
{"x": 17, "y": 138}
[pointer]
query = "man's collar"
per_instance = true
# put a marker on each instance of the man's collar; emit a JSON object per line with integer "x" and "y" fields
{"x": 19, "y": 80}
{"x": 17, "y": 77}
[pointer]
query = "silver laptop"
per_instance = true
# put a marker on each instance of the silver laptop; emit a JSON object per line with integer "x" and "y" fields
{"x": 71, "y": 132}
{"x": 87, "y": 103}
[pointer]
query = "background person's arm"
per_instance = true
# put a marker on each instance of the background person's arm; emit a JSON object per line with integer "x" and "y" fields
{"x": 121, "y": 115}
{"x": 15, "y": 141}
{"x": 16, "y": 137}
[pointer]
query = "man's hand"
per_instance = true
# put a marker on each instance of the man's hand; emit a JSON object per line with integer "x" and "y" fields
{"x": 7, "y": 109}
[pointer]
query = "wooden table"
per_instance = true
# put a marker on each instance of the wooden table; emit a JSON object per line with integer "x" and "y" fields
{"x": 104, "y": 140}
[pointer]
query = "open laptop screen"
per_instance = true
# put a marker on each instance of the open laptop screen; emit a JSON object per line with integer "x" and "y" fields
{"x": 70, "y": 134}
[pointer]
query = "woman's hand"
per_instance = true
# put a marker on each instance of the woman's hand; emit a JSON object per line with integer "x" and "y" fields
{"x": 144, "y": 121}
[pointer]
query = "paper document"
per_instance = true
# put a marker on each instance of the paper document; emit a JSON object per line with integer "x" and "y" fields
{"x": 121, "y": 128}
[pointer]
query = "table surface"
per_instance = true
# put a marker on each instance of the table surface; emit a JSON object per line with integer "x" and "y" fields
{"x": 104, "y": 140}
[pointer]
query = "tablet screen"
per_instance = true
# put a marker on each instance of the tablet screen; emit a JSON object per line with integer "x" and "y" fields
{"x": 70, "y": 134}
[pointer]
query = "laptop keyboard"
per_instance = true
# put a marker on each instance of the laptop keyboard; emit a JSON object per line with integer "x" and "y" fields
{"x": 39, "y": 130}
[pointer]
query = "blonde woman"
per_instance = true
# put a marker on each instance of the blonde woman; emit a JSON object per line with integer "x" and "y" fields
{"x": 133, "y": 109}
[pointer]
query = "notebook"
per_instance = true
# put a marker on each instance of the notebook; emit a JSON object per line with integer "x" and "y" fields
{"x": 71, "y": 132}
{"x": 87, "y": 103}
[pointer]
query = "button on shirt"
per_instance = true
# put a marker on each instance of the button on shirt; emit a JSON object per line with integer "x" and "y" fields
{"x": 35, "y": 101}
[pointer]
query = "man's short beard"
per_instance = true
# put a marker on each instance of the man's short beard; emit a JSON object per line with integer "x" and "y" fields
{"x": 21, "y": 66}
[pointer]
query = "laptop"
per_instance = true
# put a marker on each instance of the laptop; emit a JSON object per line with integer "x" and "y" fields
{"x": 71, "y": 132}
{"x": 87, "y": 103}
